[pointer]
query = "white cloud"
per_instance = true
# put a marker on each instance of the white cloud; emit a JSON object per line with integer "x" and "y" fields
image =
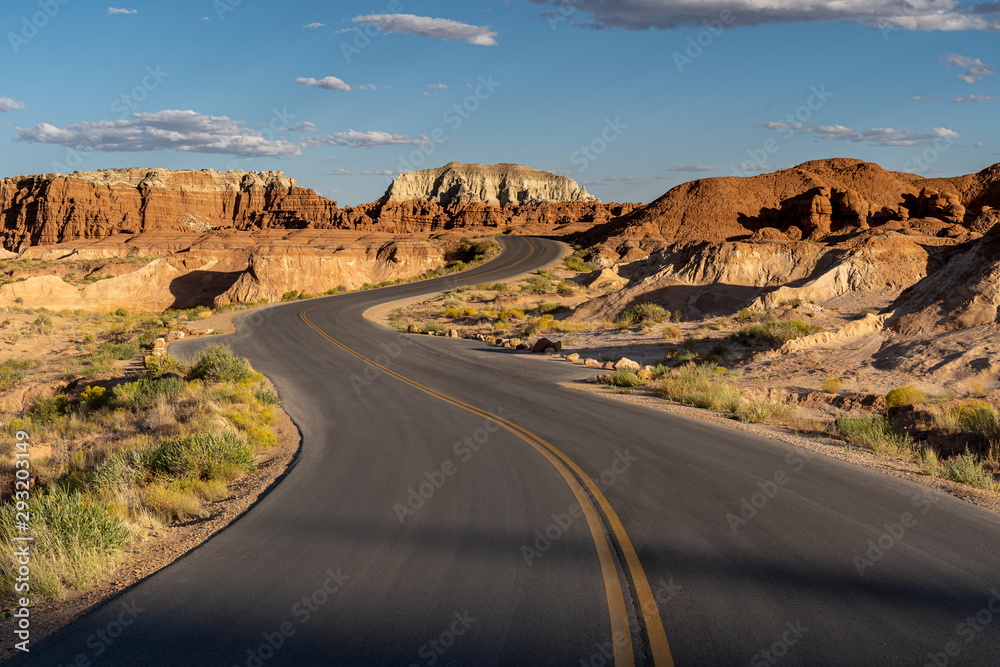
{"x": 755, "y": 167}
{"x": 439, "y": 86}
{"x": 919, "y": 98}
{"x": 326, "y": 83}
{"x": 345, "y": 172}
{"x": 876, "y": 136}
{"x": 204, "y": 18}
{"x": 975, "y": 69}
{"x": 313, "y": 26}
{"x": 980, "y": 144}
{"x": 177, "y": 130}
{"x": 121, "y": 10}
{"x": 370, "y": 86}
{"x": 922, "y": 15}
{"x": 304, "y": 126}
{"x": 9, "y": 104}
{"x": 426, "y": 94}
{"x": 978, "y": 97}
{"x": 692, "y": 167}
{"x": 426, "y": 26}
{"x": 374, "y": 138}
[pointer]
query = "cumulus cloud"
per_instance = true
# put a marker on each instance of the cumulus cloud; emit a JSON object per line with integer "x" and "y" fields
{"x": 9, "y": 104}
{"x": 345, "y": 172}
{"x": 876, "y": 136}
{"x": 978, "y": 97}
{"x": 121, "y": 10}
{"x": 313, "y": 26}
{"x": 692, "y": 167}
{"x": 923, "y": 15}
{"x": 170, "y": 129}
{"x": 326, "y": 83}
{"x": 373, "y": 139}
{"x": 975, "y": 69}
{"x": 918, "y": 98}
{"x": 439, "y": 86}
{"x": 426, "y": 26}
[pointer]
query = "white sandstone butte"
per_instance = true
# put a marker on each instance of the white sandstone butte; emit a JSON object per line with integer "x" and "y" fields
{"x": 498, "y": 184}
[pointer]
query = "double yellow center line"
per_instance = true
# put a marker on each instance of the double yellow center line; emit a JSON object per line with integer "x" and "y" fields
{"x": 565, "y": 466}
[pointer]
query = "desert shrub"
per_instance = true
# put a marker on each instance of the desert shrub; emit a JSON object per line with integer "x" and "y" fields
{"x": 201, "y": 456}
{"x": 774, "y": 332}
{"x": 48, "y": 410}
{"x": 552, "y": 309}
{"x": 689, "y": 344}
{"x": 967, "y": 469}
{"x": 145, "y": 392}
{"x": 671, "y": 332}
{"x": 508, "y": 314}
{"x": 10, "y": 377}
{"x": 876, "y": 433}
{"x": 929, "y": 463}
{"x": 339, "y": 289}
{"x": 159, "y": 365}
{"x": 745, "y": 314}
{"x": 763, "y": 411}
{"x": 493, "y": 287}
{"x": 832, "y": 385}
{"x": 565, "y": 289}
{"x": 622, "y": 378}
{"x": 265, "y": 396}
{"x": 292, "y": 295}
{"x": 576, "y": 263}
{"x": 171, "y": 502}
{"x": 433, "y": 327}
{"x": 904, "y": 396}
{"x": 94, "y": 397}
{"x": 536, "y": 285}
{"x": 217, "y": 363}
{"x": 75, "y": 535}
{"x": 119, "y": 351}
{"x": 644, "y": 312}
{"x": 699, "y": 386}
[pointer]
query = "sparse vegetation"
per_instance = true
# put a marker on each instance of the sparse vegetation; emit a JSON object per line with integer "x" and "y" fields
{"x": 775, "y": 332}
{"x": 876, "y": 433}
{"x": 967, "y": 468}
{"x": 832, "y": 385}
{"x": 644, "y": 312}
{"x": 904, "y": 396}
{"x": 622, "y": 378}
{"x": 763, "y": 411}
{"x": 699, "y": 386}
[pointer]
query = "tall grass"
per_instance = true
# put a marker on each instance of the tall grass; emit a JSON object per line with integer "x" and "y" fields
{"x": 877, "y": 434}
{"x": 775, "y": 332}
{"x": 699, "y": 386}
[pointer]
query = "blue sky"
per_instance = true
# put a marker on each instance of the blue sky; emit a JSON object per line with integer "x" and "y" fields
{"x": 629, "y": 97}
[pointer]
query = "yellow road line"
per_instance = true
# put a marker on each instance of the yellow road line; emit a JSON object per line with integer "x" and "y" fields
{"x": 647, "y": 602}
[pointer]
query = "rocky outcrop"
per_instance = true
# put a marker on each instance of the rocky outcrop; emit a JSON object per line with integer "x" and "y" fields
{"x": 55, "y": 208}
{"x": 213, "y": 269}
{"x": 498, "y": 185}
{"x": 964, "y": 293}
{"x": 812, "y": 201}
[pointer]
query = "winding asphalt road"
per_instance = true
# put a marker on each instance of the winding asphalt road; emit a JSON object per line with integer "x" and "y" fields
{"x": 452, "y": 504}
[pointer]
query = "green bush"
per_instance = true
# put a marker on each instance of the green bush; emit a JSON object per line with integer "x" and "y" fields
{"x": 877, "y": 434}
{"x": 832, "y": 385}
{"x": 160, "y": 365}
{"x": 144, "y": 392}
{"x": 699, "y": 386}
{"x": 644, "y": 312}
{"x": 622, "y": 378}
{"x": 774, "y": 332}
{"x": 576, "y": 263}
{"x": 565, "y": 289}
{"x": 764, "y": 412}
{"x": 217, "y": 363}
{"x": 48, "y": 410}
{"x": 94, "y": 397}
{"x": 904, "y": 396}
{"x": 536, "y": 285}
{"x": 493, "y": 287}
{"x": 201, "y": 456}
{"x": 968, "y": 469}
{"x": 10, "y": 378}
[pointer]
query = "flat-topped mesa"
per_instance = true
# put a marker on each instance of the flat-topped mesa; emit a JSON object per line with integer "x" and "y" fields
{"x": 498, "y": 185}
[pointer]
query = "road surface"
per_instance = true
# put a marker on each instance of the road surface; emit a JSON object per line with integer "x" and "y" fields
{"x": 453, "y": 505}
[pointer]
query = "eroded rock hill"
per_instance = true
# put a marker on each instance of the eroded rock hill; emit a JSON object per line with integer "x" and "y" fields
{"x": 498, "y": 184}
{"x": 811, "y": 201}
{"x": 55, "y": 208}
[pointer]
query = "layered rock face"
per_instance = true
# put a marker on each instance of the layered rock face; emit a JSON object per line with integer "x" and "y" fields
{"x": 498, "y": 185}
{"x": 51, "y": 208}
{"x": 163, "y": 270}
{"x": 810, "y": 201}
{"x": 55, "y": 208}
